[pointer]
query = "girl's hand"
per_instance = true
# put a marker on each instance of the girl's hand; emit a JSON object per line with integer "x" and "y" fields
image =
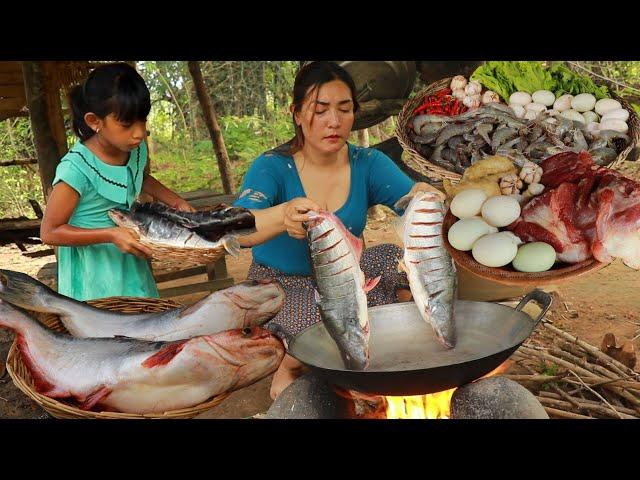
{"x": 127, "y": 242}
{"x": 425, "y": 187}
{"x": 182, "y": 205}
{"x": 295, "y": 212}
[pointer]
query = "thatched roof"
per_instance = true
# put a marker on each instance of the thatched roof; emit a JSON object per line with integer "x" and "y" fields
{"x": 13, "y": 101}
{"x": 12, "y": 97}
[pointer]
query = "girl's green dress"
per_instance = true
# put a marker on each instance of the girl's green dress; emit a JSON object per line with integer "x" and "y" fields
{"x": 101, "y": 270}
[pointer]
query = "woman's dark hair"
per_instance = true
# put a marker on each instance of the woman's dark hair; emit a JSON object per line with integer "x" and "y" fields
{"x": 308, "y": 80}
{"x": 112, "y": 88}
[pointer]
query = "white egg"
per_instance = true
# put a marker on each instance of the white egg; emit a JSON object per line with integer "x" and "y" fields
{"x": 501, "y": 210}
{"x": 512, "y": 236}
{"x": 620, "y": 114}
{"x": 534, "y": 257}
{"x": 463, "y": 234}
{"x": 468, "y": 203}
{"x": 494, "y": 250}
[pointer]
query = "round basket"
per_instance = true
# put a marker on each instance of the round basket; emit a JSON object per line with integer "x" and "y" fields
{"x": 413, "y": 158}
{"x": 67, "y": 408}
{"x": 634, "y": 131}
{"x": 416, "y": 161}
{"x": 173, "y": 258}
{"x": 507, "y": 275}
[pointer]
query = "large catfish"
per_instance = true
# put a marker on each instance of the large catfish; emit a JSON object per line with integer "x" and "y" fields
{"x": 246, "y": 304}
{"x": 136, "y": 376}
{"x": 160, "y": 230}
{"x": 341, "y": 286}
{"x": 429, "y": 267}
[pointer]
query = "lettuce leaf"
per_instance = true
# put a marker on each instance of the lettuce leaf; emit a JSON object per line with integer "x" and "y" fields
{"x": 505, "y": 78}
{"x": 568, "y": 81}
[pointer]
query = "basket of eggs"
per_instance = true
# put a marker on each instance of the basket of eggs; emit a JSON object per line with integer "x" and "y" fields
{"x": 484, "y": 230}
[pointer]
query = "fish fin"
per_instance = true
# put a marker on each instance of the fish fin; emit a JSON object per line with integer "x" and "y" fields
{"x": 403, "y": 202}
{"x": 371, "y": 283}
{"x": 94, "y": 397}
{"x": 316, "y": 296}
{"x": 402, "y": 267}
{"x": 125, "y": 337}
{"x": 231, "y": 245}
{"x": 165, "y": 354}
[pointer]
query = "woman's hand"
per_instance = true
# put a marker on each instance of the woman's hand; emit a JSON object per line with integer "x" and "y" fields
{"x": 425, "y": 187}
{"x": 295, "y": 212}
{"x": 127, "y": 242}
{"x": 182, "y": 205}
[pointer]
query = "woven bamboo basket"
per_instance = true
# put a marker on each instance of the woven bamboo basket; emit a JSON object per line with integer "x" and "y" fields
{"x": 67, "y": 409}
{"x": 413, "y": 158}
{"x": 416, "y": 161}
{"x": 507, "y": 275}
{"x": 173, "y": 258}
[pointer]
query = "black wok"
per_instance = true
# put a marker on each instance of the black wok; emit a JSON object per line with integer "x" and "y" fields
{"x": 407, "y": 359}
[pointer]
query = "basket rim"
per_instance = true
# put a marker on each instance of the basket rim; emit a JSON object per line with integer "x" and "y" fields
{"x": 510, "y": 276}
{"x": 435, "y": 172}
{"x": 62, "y": 409}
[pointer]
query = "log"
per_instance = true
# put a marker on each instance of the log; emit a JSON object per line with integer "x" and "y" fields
{"x": 620, "y": 368}
{"x": 599, "y": 370}
{"x": 211, "y": 121}
{"x": 22, "y": 161}
{"x": 625, "y": 410}
{"x": 553, "y": 412}
{"x": 47, "y": 124}
{"x": 595, "y": 408}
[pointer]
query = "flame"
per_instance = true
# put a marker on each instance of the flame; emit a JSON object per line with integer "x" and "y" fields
{"x": 432, "y": 405}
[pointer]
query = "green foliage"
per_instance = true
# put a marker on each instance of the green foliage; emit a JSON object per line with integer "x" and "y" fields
{"x": 17, "y": 185}
{"x": 193, "y": 167}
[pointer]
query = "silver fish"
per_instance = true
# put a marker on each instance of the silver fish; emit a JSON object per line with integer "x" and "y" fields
{"x": 341, "y": 287}
{"x": 162, "y": 231}
{"x": 429, "y": 267}
{"x": 136, "y": 376}
{"x": 246, "y": 304}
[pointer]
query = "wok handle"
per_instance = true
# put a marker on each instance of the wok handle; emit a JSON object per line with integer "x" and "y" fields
{"x": 542, "y": 298}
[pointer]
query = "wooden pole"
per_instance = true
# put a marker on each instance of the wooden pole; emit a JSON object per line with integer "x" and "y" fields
{"x": 47, "y": 124}
{"x": 211, "y": 121}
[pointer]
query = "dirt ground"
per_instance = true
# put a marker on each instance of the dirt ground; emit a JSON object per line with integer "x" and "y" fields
{"x": 588, "y": 307}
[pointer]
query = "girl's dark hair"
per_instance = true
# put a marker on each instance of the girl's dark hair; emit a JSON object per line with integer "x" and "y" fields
{"x": 112, "y": 88}
{"x": 308, "y": 80}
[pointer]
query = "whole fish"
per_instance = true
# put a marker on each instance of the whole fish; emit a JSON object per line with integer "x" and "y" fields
{"x": 429, "y": 267}
{"x": 341, "y": 287}
{"x": 159, "y": 230}
{"x": 211, "y": 224}
{"x": 136, "y": 376}
{"x": 246, "y": 304}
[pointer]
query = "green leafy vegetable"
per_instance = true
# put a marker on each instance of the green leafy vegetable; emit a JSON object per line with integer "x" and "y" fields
{"x": 505, "y": 78}
{"x": 568, "y": 81}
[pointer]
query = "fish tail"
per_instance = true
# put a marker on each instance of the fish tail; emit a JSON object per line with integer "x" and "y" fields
{"x": 231, "y": 245}
{"x": 20, "y": 289}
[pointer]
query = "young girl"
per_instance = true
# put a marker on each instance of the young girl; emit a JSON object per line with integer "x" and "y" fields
{"x": 104, "y": 170}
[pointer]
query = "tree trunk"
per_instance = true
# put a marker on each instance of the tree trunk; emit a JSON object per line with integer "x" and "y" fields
{"x": 363, "y": 137}
{"x": 211, "y": 121}
{"x": 175, "y": 100}
{"x": 47, "y": 124}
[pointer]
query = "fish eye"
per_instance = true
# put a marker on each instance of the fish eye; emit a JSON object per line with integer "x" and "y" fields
{"x": 246, "y": 331}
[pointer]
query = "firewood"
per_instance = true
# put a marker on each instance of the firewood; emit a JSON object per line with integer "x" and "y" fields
{"x": 619, "y": 367}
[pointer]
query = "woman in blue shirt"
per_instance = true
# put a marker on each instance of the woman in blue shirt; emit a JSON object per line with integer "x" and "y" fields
{"x": 318, "y": 169}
